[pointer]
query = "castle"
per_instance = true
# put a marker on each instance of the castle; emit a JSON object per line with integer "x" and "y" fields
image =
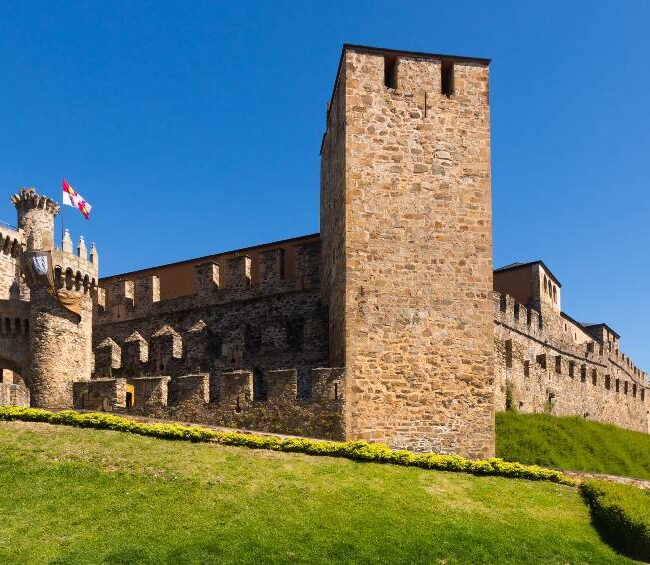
{"x": 389, "y": 325}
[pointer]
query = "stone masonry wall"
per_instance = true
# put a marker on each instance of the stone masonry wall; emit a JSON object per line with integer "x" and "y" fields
{"x": 14, "y": 395}
{"x": 59, "y": 349}
{"x": 416, "y": 243}
{"x": 540, "y": 368}
{"x": 229, "y": 399}
{"x": 11, "y": 247}
{"x": 274, "y": 324}
{"x": 332, "y": 220}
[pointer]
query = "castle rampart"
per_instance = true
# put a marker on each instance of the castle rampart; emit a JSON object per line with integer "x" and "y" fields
{"x": 229, "y": 323}
{"x": 390, "y": 325}
{"x": 547, "y": 362}
{"x": 229, "y": 398}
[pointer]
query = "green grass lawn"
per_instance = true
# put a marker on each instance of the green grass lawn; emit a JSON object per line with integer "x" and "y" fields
{"x": 74, "y": 495}
{"x": 572, "y": 443}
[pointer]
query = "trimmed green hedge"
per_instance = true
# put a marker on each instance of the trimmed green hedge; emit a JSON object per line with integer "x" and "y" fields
{"x": 355, "y": 450}
{"x": 622, "y": 513}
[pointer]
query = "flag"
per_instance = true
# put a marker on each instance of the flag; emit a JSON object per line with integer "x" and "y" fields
{"x": 72, "y": 198}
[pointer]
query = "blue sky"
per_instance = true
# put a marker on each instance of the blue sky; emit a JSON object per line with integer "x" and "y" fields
{"x": 194, "y": 127}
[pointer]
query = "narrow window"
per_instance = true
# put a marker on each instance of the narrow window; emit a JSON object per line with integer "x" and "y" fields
{"x": 634, "y": 390}
{"x": 447, "y": 78}
{"x": 608, "y": 382}
{"x": 642, "y": 395}
{"x": 572, "y": 368}
{"x": 583, "y": 374}
{"x": 625, "y": 388}
{"x": 594, "y": 377}
{"x": 260, "y": 391}
{"x": 295, "y": 330}
{"x": 541, "y": 361}
{"x": 508, "y": 353}
{"x": 526, "y": 368}
{"x": 558, "y": 365}
{"x": 618, "y": 385}
{"x": 390, "y": 71}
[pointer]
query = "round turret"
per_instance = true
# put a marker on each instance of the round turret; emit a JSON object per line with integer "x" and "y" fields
{"x": 59, "y": 341}
{"x": 36, "y": 215}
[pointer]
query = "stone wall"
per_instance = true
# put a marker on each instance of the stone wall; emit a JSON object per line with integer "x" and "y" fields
{"x": 332, "y": 220}
{"x": 100, "y": 394}
{"x": 273, "y": 323}
{"x": 541, "y": 365}
{"x": 36, "y": 215}
{"x": 407, "y": 233}
{"x": 11, "y": 247}
{"x": 229, "y": 398}
{"x": 14, "y": 395}
{"x": 59, "y": 349}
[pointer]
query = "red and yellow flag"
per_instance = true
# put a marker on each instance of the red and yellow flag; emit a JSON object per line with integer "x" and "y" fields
{"x": 72, "y": 198}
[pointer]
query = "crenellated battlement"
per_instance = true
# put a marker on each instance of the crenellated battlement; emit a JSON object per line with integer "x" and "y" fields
{"x": 554, "y": 364}
{"x": 11, "y": 241}
{"x": 28, "y": 199}
{"x": 237, "y": 398}
{"x": 530, "y": 323}
{"x": 121, "y": 299}
{"x": 36, "y": 215}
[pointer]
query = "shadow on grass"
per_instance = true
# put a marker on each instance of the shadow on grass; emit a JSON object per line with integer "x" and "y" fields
{"x": 626, "y": 544}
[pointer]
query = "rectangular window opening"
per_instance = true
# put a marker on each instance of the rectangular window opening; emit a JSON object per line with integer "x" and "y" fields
{"x": 390, "y": 71}
{"x": 447, "y": 78}
{"x": 509, "y": 353}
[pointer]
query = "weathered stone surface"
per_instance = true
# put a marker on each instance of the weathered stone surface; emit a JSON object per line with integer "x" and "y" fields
{"x": 383, "y": 328}
{"x": 100, "y": 394}
{"x": 547, "y": 362}
{"x": 407, "y": 253}
{"x": 151, "y": 392}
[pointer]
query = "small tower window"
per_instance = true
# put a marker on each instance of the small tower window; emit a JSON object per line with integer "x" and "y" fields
{"x": 447, "y": 78}
{"x": 390, "y": 71}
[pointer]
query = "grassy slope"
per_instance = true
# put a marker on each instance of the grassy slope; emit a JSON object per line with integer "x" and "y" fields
{"x": 72, "y": 495}
{"x": 572, "y": 443}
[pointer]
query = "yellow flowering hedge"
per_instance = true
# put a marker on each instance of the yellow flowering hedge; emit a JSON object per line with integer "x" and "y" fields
{"x": 355, "y": 450}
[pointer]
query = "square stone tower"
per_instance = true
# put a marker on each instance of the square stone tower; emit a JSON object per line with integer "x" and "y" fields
{"x": 407, "y": 248}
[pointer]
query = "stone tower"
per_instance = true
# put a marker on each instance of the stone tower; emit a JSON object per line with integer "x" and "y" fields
{"x": 407, "y": 248}
{"x": 59, "y": 341}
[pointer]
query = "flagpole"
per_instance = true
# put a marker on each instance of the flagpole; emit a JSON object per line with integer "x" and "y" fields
{"x": 62, "y": 225}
